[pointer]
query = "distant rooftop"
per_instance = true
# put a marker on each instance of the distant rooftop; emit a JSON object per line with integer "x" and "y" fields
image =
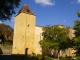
{"x": 25, "y": 9}
{"x": 39, "y": 26}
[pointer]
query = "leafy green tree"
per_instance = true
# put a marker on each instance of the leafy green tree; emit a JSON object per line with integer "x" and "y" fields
{"x": 77, "y": 36}
{"x": 7, "y": 8}
{"x": 77, "y": 27}
{"x": 78, "y": 13}
{"x": 54, "y": 37}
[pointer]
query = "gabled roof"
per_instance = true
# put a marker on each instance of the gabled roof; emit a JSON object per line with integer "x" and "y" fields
{"x": 25, "y": 9}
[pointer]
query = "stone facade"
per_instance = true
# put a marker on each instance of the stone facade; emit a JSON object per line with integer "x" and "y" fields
{"x": 6, "y": 49}
{"x": 38, "y": 37}
{"x": 24, "y": 32}
{"x": 71, "y": 33}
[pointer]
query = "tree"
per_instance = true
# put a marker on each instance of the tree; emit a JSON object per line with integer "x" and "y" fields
{"x": 2, "y": 38}
{"x": 54, "y": 37}
{"x": 77, "y": 36}
{"x": 78, "y": 13}
{"x": 6, "y": 31}
{"x": 77, "y": 27}
{"x": 7, "y": 8}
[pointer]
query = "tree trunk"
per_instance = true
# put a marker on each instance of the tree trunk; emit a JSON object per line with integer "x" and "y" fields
{"x": 42, "y": 54}
{"x": 58, "y": 55}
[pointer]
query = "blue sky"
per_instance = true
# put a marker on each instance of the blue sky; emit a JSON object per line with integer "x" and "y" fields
{"x": 51, "y": 12}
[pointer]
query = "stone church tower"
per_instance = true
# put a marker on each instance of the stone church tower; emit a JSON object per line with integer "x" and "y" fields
{"x": 24, "y": 31}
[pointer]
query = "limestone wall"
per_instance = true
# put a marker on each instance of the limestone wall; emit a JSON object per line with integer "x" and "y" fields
{"x": 6, "y": 49}
{"x": 38, "y": 37}
{"x": 24, "y": 33}
{"x": 71, "y": 33}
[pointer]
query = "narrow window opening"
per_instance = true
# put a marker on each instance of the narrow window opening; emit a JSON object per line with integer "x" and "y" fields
{"x": 28, "y": 25}
{"x": 28, "y": 11}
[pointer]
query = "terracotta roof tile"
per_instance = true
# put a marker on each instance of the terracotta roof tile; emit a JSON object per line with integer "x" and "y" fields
{"x": 25, "y": 9}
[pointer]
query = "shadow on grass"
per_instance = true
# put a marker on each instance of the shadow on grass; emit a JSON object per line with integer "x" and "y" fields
{"x": 17, "y": 57}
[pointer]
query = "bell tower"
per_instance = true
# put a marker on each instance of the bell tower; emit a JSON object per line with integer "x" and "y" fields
{"x": 24, "y": 31}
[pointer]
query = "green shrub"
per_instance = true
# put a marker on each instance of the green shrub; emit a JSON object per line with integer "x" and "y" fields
{"x": 33, "y": 54}
{"x": 78, "y": 58}
{"x": 62, "y": 58}
{"x": 8, "y": 43}
{"x": 39, "y": 56}
{"x": 48, "y": 58}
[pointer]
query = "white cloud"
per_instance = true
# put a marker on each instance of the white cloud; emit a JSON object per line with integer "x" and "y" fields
{"x": 64, "y": 20}
{"x": 78, "y": 1}
{"x": 1, "y": 22}
{"x": 45, "y": 2}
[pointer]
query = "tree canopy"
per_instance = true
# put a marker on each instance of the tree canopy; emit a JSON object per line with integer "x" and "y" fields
{"x": 7, "y": 8}
{"x": 77, "y": 37}
{"x": 6, "y": 31}
{"x": 54, "y": 37}
{"x": 78, "y": 13}
{"x": 77, "y": 27}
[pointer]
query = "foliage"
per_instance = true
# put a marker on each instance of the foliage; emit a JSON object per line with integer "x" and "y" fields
{"x": 6, "y": 31}
{"x": 77, "y": 45}
{"x": 33, "y": 54}
{"x": 54, "y": 37}
{"x": 77, "y": 36}
{"x": 8, "y": 43}
{"x": 62, "y": 58}
{"x": 78, "y": 13}
{"x": 78, "y": 58}
{"x": 7, "y": 8}
{"x": 45, "y": 44}
{"x": 48, "y": 58}
{"x": 77, "y": 27}
{"x": 2, "y": 39}
{"x": 39, "y": 56}
{"x": 2, "y": 36}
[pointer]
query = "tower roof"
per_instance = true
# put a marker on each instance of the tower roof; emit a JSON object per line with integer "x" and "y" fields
{"x": 25, "y": 9}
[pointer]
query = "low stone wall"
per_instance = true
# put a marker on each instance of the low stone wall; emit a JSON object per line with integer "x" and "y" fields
{"x": 6, "y": 49}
